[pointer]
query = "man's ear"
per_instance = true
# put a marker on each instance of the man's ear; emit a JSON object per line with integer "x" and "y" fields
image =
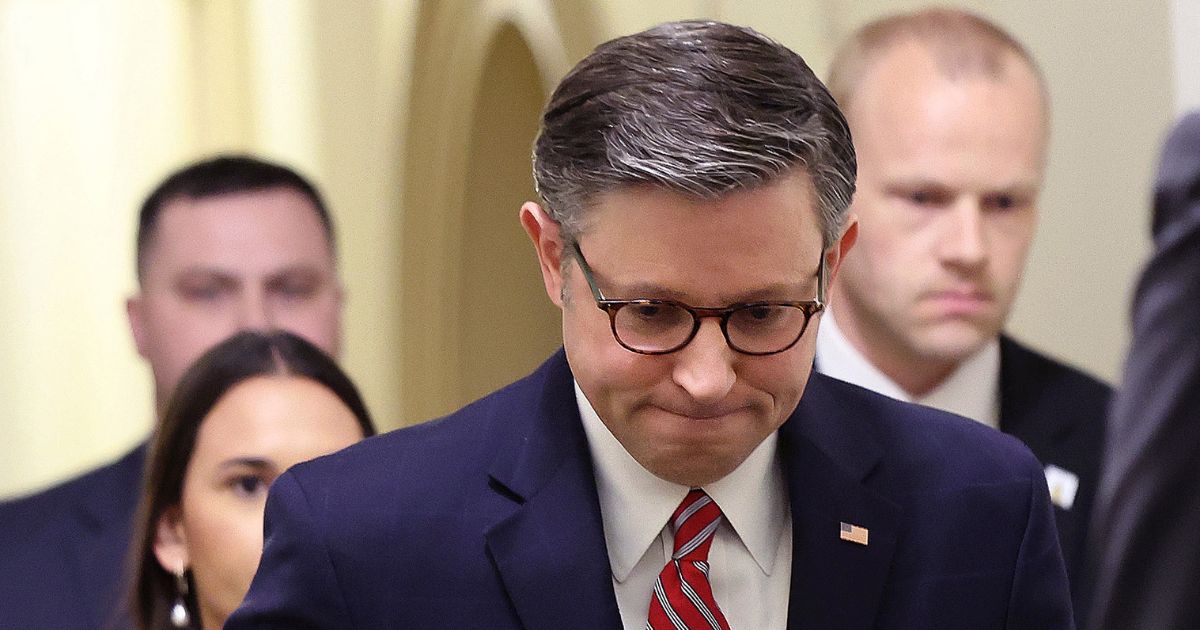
{"x": 170, "y": 541}
{"x": 837, "y": 253}
{"x": 135, "y": 309}
{"x": 547, "y": 241}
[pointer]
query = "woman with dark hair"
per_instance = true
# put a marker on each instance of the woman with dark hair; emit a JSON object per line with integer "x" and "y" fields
{"x": 247, "y": 410}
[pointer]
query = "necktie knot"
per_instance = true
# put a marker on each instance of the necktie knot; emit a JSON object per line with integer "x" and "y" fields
{"x": 694, "y": 523}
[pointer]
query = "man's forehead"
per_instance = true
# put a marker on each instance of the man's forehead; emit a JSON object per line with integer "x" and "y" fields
{"x": 278, "y": 223}
{"x": 1014, "y": 181}
{"x": 250, "y": 245}
{"x": 754, "y": 243}
{"x": 991, "y": 136}
{"x": 1007, "y": 157}
{"x": 279, "y": 204}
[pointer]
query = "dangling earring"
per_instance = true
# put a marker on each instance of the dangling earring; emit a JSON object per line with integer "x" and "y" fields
{"x": 179, "y": 612}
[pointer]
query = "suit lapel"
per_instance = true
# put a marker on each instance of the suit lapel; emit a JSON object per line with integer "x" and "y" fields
{"x": 827, "y": 453}
{"x": 548, "y": 547}
{"x": 1025, "y": 409}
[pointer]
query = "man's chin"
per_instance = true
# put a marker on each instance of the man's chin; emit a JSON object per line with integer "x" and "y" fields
{"x": 954, "y": 342}
{"x": 690, "y": 472}
{"x": 952, "y": 355}
{"x": 689, "y": 460}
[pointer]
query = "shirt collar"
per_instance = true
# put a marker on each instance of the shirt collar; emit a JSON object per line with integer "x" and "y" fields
{"x": 972, "y": 390}
{"x": 635, "y": 505}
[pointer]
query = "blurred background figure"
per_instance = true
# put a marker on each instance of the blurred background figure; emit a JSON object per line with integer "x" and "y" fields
{"x": 247, "y": 410}
{"x": 1146, "y": 527}
{"x": 226, "y": 244}
{"x": 950, "y": 119}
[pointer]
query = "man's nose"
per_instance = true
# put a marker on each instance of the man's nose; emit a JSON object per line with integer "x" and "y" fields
{"x": 704, "y": 367}
{"x": 255, "y": 312}
{"x": 963, "y": 242}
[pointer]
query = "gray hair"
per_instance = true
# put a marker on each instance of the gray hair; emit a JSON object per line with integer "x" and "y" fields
{"x": 699, "y": 108}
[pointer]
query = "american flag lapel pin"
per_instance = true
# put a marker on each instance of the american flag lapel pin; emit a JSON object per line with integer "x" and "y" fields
{"x": 853, "y": 533}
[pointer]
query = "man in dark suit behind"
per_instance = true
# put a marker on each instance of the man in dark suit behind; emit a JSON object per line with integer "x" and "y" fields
{"x": 1146, "y": 552}
{"x": 949, "y": 117}
{"x": 676, "y": 465}
{"x": 224, "y": 244}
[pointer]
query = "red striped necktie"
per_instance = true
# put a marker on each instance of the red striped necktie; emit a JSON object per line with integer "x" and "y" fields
{"x": 683, "y": 597}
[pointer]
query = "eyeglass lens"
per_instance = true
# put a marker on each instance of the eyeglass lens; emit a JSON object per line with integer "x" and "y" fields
{"x": 652, "y": 326}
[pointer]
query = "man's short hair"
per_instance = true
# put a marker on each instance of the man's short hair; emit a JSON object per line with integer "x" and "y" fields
{"x": 962, "y": 43}
{"x": 700, "y": 108}
{"x": 223, "y": 175}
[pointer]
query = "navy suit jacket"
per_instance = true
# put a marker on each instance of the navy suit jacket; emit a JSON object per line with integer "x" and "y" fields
{"x": 489, "y": 518}
{"x": 63, "y": 551}
{"x": 1059, "y": 413}
{"x": 1147, "y": 520}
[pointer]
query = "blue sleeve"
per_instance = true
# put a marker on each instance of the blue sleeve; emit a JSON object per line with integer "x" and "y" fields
{"x": 296, "y": 585}
{"x": 1041, "y": 595}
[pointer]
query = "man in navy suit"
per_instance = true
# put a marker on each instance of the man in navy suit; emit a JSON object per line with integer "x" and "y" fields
{"x": 950, "y": 163}
{"x": 1145, "y": 555}
{"x": 224, "y": 244}
{"x": 676, "y": 465}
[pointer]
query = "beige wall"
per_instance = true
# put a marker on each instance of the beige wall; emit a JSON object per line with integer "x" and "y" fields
{"x": 99, "y": 101}
{"x": 416, "y": 117}
{"x": 83, "y": 131}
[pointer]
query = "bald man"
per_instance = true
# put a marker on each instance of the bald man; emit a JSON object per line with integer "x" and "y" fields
{"x": 949, "y": 118}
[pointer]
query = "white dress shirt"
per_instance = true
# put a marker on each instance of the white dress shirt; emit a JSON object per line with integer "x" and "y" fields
{"x": 751, "y": 554}
{"x": 972, "y": 390}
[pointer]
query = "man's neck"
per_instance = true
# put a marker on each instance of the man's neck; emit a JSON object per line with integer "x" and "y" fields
{"x": 916, "y": 375}
{"x": 970, "y": 388}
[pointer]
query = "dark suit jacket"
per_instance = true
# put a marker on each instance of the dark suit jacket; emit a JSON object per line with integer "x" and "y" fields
{"x": 63, "y": 550}
{"x": 1146, "y": 525}
{"x": 1059, "y": 413}
{"x": 489, "y": 518}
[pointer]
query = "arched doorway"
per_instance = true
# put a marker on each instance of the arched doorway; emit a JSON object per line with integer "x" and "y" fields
{"x": 474, "y": 315}
{"x": 508, "y": 325}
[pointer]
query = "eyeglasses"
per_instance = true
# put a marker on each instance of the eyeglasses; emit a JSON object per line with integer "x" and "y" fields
{"x": 663, "y": 326}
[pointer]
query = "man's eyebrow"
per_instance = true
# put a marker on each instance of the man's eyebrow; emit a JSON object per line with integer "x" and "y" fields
{"x": 296, "y": 268}
{"x": 1021, "y": 187}
{"x": 775, "y": 291}
{"x": 303, "y": 266}
{"x": 205, "y": 272}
